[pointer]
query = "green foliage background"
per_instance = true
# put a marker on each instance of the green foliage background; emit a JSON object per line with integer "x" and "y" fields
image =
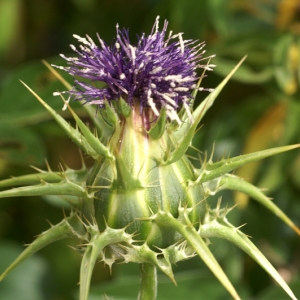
{"x": 259, "y": 108}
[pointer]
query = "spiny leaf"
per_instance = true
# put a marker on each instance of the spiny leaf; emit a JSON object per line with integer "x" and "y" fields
{"x": 87, "y": 265}
{"x": 57, "y": 75}
{"x": 125, "y": 180}
{"x": 209, "y": 100}
{"x": 111, "y": 114}
{"x": 182, "y": 147}
{"x": 60, "y": 231}
{"x": 93, "y": 141}
{"x": 124, "y": 107}
{"x": 200, "y": 111}
{"x": 186, "y": 116}
{"x": 31, "y": 179}
{"x": 235, "y": 236}
{"x": 104, "y": 130}
{"x": 93, "y": 249}
{"x": 198, "y": 244}
{"x": 77, "y": 138}
{"x": 187, "y": 130}
{"x": 44, "y": 176}
{"x": 44, "y": 189}
{"x": 211, "y": 170}
{"x": 143, "y": 254}
{"x": 238, "y": 184}
{"x": 158, "y": 128}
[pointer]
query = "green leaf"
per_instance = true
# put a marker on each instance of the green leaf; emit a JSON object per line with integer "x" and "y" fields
{"x": 232, "y": 234}
{"x": 22, "y": 284}
{"x": 235, "y": 183}
{"x": 44, "y": 176}
{"x": 188, "y": 231}
{"x": 212, "y": 170}
{"x": 60, "y": 231}
{"x": 125, "y": 179}
{"x": 244, "y": 73}
{"x": 187, "y": 130}
{"x": 62, "y": 188}
{"x": 97, "y": 243}
{"x": 158, "y": 128}
{"x": 209, "y": 100}
{"x": 182, "y": 147}
{"x": 93, "y": 141}
{"x": 77, "y": 138}
{"x": 103, "y": 128}
{"x": 200, "y": 111}
{"x": 125, "y": 108}
{"x": 31, "y": 179}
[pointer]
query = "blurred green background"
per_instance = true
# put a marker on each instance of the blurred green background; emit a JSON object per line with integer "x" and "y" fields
{"x": 258, "y": 109}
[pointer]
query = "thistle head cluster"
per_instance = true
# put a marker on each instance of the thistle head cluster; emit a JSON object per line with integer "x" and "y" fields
{"x": 142, "y": 201}
{"x": 158, "y": 72}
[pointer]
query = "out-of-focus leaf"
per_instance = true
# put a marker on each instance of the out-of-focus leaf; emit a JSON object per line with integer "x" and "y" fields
{"x": 265, "y": 132}
{"x": 286, "y": 12}
{"x": 83, "y": 5}
{"x": 18, "y": 106}
{"x": 287, "y": 63}
{"x": 220, "y": 17}
{"x": 244, "y": 73}
{"x": 181, "y": 15}
{"x": 275, "y": 292}
{"x": 9, "y": 19}
{"x": 20, "y": 146}
{"x": 25, "y": 283}
{"x": 295, "y": 171}
{"x": 193, "y": 284}
{"x": 258, "y": 48}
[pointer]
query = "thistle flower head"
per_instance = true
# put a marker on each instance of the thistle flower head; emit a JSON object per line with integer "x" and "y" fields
{"x": 158, "y": 72}
{"x": 142, "y": 201}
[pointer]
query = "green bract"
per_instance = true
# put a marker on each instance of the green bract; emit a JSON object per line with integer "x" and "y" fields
{"x": 143, "y": 201}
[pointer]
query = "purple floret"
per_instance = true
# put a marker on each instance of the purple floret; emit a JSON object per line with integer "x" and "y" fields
{"x": 158, "y": 72}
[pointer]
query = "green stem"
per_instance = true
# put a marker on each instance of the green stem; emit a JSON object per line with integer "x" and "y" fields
{"x": 148, "y": 285}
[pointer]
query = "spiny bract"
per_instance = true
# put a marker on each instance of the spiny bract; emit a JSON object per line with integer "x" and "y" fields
{"x": 142, "y": 201}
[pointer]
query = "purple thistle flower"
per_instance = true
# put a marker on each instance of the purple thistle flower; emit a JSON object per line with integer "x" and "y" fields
{"x": 156, "y": 73}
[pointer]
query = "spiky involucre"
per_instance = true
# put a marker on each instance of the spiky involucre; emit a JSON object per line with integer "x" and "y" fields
{"x": 158, "y": 72}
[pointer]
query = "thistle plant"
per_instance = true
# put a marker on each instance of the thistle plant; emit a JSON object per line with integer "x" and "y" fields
{"x": 142, "y": 201}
